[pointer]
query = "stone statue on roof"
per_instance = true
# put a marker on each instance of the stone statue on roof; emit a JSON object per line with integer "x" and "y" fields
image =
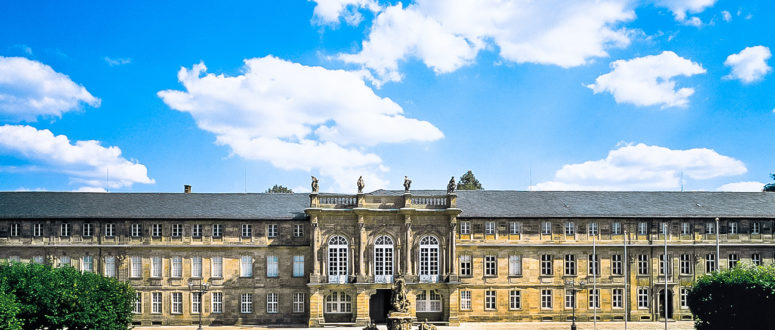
{"x": 407, "y": 183}
{"x": 360, "y": 184}
{"x": 451, "y": 185}
{"x": 314, "y": 185}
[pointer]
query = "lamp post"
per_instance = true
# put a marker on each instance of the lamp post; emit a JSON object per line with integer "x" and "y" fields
{"x": 199, "y": 287}
{"x": 571, "y": 285}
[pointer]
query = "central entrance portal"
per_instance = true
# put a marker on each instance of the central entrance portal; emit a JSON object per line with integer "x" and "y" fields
{"x": 379, "y": 305}
{"x": 662, "y": 304}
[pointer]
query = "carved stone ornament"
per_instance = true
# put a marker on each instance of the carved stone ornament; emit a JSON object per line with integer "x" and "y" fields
{"x": 314, "y": 184}
{"x": 360, "y": 184}
{"x": 407, "y": 183}
{"x": 451, "y": 185}
{"x": 400, "y": 301}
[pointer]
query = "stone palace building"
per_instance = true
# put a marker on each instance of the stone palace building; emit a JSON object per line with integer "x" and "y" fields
{"x": 329, "y": 259}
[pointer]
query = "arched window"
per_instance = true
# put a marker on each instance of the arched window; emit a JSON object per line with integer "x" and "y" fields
{"x": 383, "y": 260}
{"x": 428, "y": 301}
{"x": 429, "y": 259}
{"x": 337, "y": 260}
{"x": 338, "y": 302}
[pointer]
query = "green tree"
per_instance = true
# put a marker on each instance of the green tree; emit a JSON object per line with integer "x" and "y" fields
{"x": 59, "y": 298}
{"x": 278, "y": 189}
{"x": 469, "y": 182}
{"x": 739, "y": 298}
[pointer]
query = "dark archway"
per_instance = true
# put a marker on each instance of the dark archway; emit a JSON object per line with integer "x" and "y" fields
{"x": 379, "y": 306}
{"x": 662, "y": 304}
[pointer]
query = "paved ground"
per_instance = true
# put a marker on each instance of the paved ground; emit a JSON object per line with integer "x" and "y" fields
{"x": 681, "y": 325}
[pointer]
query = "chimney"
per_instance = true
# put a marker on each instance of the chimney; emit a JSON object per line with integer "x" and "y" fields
{"x": 187, "y": 188}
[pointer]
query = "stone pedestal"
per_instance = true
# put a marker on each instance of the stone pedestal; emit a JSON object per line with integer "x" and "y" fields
{"x": 399, "y": 321}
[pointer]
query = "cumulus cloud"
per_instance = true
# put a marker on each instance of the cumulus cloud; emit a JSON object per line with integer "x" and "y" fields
{"x": 330, "y": 11}
{"x": 751, "y": 186}
{"x": 648, "y": 80}
{"x": 726, "y": 15}
{"x": 749, "y": 65}
{"x": 298, "y": 117}
{"x": 682, "y": 8}
{"x": 118, "y": 60}
{"x": 29, "y": 89}
{"x": 86, "y": 162}
{"x": 446, "y": 35}
{"x": 643, "y": 167}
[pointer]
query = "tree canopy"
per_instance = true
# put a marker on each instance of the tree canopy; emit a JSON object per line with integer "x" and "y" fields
{"x": 35, "y": 296}
{"x": 278, "y": 189}
{"x": 469, "y": 182}
{"x": 738, "y": 298}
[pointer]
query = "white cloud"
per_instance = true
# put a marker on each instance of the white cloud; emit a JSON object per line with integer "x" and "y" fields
{"x": 681, "y": 9}
{"x": 329, "y": 11}
{"x": 446, "y": 35}
{"x": 643, "y": 167}
{"x": 648, "y": 80}
{"x": 742, "y": 186}
{"x": 118, "y": 60}
{"x": 86, "y": 162}
{"x": 750, "y": 64}
{"x": 298, "y": 117}
{"x": 726, "y": 15}
{"x": 29, "y": 89}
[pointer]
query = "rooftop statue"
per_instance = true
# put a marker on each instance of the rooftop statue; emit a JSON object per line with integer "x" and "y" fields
{"x": 407, "y": 183}
{"x": 451, "y": 185}
{"x": 360, "y": 184}
{"x": 314, "y": 185}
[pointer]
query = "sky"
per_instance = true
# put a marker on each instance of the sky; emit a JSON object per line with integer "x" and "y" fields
{"x": 237, "y": 96}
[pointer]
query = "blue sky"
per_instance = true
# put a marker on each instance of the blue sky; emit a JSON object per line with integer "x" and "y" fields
{"x": 530, "y": 95}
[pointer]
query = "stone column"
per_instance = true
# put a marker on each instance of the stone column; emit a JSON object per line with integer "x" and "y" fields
{"x": 452, "y": 249}
{"x": 362, "y": 250}
{"x": 408, "y": 245}
{"x": 315, "y": 247}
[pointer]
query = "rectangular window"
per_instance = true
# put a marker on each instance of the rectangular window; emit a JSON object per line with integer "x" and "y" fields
{"x": 664, "y": 228}
{"x": 593, "y": 264}
{"x": 490, "y": 266}
{"x": 155, "y": 302}
{"x": 271, "y": 266}
{"x": 514, "y": 300}
{"x": 196, "y": 266}
{"x": 271, "y": 230}
{"x": 64, "y": 230}
{"x": 196, "y": 302}
{"x": 86, "y": 230}
{"x": 37, "y": 259}
{"x": 298, "y": 266}
{"x": 465, "y": 265}
{"x": 298, "y": 230}
{"x": 136, "y": 230}
{"x": 15, "y": 259}
{"x": 110, "y": 266}
{"x": 546, "y": 299}
{"x": 686, "y": 228}
{"x": 156, "y": 267}
{"x": 465, "y": 228}
{"x": 662, "y": 265}
{"x": 465, "y": 300}
{"x": 686, "y": 264}
{"x": 546, "y": 264}
{"x": 710, "y": 262}
{"x": 217, "y": 230}
{"x": 216, "y": 267}
{"x": 88, "y": 264}
{"x": 136, "y": 267}
{"x": 755, "y": 228}
{"x": 546, "y": 228}
{"x": 592, "y": 229}
{"x": 247, "y": 230}
{"x": 489, "y": 300}
{"x": 594, "y": 298}
{"x": 616, "y": 228}
{"x": 14, "y": 229}
{"x": 643, "y": 298}
{"x": 515, "y": 228}
{"x": 643, "y": 264}
{"x": 298, "y": 302}
{"x": 37, "y": 230}
{"x": 489, "y": 228}
{"x": 246, "y": 303}
{"x": 217, "y": 301}
{"x": 177, "y": 303}
{"x": 570, "y": 299}
{"x": 156, "y": 230}
{"x": 515, "y": 265}
{"x": 710, "y": 228}
{"x": 177, "y": 267}
{"x": 138, "y": 307}
{"x": 732, "y": 227}
{"x": 246, "y": 266}
{"x": 177, "y": 230}
{"x": 196, "y": 230}
{"x": 570, "y": 264}
{"x": 684, "y": 298}
{"x": 64, "y": 261}
{"x": 570, "y": 229}
{"x": 616, "y": 264}
{"x": 733, "y": 259}
{"x": 756, "y": 259}
{"x": 617, "y": 298}
{"x": 271, "y": 303}
{"x": 110, "y": 229}
{"x": 643, "y": 228}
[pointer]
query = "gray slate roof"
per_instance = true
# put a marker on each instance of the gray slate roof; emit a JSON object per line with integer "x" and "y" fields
{"x": 44, "y": 205}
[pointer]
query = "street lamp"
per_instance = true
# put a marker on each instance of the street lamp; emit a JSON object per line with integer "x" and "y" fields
{"x": 199, "y": 287}
{"x": 570, "y": 284}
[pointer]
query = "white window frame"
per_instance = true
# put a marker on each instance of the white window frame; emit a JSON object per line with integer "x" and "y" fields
{"x": 755, "y": 228}
{"x": 110, "y": 266}
{"x": 37, "y": 230}
{"x": 616, "y": 228}
{"x": 64, "y": 229}
{"x": 156, "y": 230}
{"x": 338, "y": 259}
{"x": 247, "y": 230}
{"x": 272, "y": 266}
{"x": 87, "y": 264}
{"x": 643, "y": 298}
{"x": 383, "y": 259}
{"x": 616, "y": 265}
{"x": 217, "y": 230}
{"x": 246, "y": 303}
{"x": 685, "y": 264}
{"x": 546, "y": 265}
{"x": 64, "y": 261}
{"x": 515, "y": 228}
{"x": 643, "y": 228}
{"x": 686, "y": 228}
{"x": 338, "y": 302}
{"x": 465, "y": 228}
{"x": 489, "y": 228}
{"x": 246, "y": 266}
{"x": 137, "y": 307}
{"x": 515, "y": 300}
{"x": 570, "y": 265}
{"x": 87, "y": 229}
{"x": 593, "y": 264}
{"x": 176, "y": 303}
{"x": 216, "y": 267}
{"x": 196, "y": 230}
{"x": 710, "y": 263}
{"x": 429, "y": 256}
{"x": 756, "y": 259}
{"x": 14, "y": 230}
{"x": 156, "y": 267}
{"x": 136, "y": 230}
{"x": 592, "y": 229}
{"x": 196, "y": 302}
{"x": 733, "y": 227}
{"x": 465, "y": 300}
{"x": 662, "y": 265}
{"x": 617, "y": 298}
{"x": 37, "y": 259}
{"x": 570, "y": 299}
{"x": 490, "y": 300}
{"x": 298, "y": 230}
{"x": 136, "y": 267}
{"x": 271, "y": 230}
{"x": 546, "y": 228}
{"x": 176, "y": 267}
{"x": 710, "y": 228}
{"x": 515, "y": 265}
{"x": 156, "y": 303}
{"x": 216, "y": 300}
{"x": 466, "y": 266}
{"x": 298, "y": 266}
{"x": 298, "y": 302}
{"x": 684, "y": 300}
{"x": 643, "y": 264}
{"x": 593, "y": 298}
{"x": 733, "y": 260}
{"x": 196, "y": 267}
{"x": 490, "y": 265}
{"x": 272, "y": 303}
{"x": 110, "y": 229}
{"x": 176, "y": 230}
{"x": 546, "y": 299}
{"x": 570, "y": 229}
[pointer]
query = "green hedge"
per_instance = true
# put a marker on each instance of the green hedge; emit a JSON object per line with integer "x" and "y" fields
{"x": 738, "y": 298}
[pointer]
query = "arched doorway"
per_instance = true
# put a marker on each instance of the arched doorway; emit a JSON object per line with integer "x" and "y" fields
{"x": 662, "y": 304}
{"x": 379, "y": 305}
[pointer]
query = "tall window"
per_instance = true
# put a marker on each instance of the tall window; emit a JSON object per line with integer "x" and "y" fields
{"x": 514, "y": 228}
{"x": 684, "y": 298}
{"x": 429, "y": 259}
{"x": 86, "y": 229}
{"x": 64, "y": 229}
{"x": 733, "y": 259}
{"x": 14, "y": 230}
{"x": 593, "y": 264}
{"x": 710, "y": 262}
{"x": 570, "y": 264}
{"x": 592, "y": 229}
{"x": 196, "y": 230}
{"x": 298, "y": 302}
{"x": 177, "y": 303}
{"x": 156, "y": 302}
{"x": 755, "y": 228}
{"x": 216, "y": 267}
{"x": 196, "y": 302}
{"x": 383, "y": 259}
{"x": 546, "y": 264}
{"x": 298, "y": 266}
{"x": 733, "y": 227}
{"x": 594, "y": 298}
{"x": 616, "y": 264}
{"x": 490, "y": 266}
{"x": 217, "y": 230}
{"x": 217, "y": 302}
{"x": 136, "y": 230}
{"x": 110, "y": 266}
{"x": 156, "y": 230}
{"x": 465, "y": 300}
{"x": 177, "y": 230}
{"x": 514, "y": 300}
{"x": 138, "y": 307}
{"x": 271, "y": 230}
{"x": 271, "y": 303}
{"x": 643, "y": 298}
{"x": 298, "y": 230}
{"x": 337, "y": 260}
{"x": 465, "y": 265}
{"x": 110, "y": 229}
{"x": 616, "y": 228}
{"x": 37, "y": 230}
{"x": 756, "y": 259}
{"x": 247, "y": 230}
{"x": 643, "y": 228}
{"x": 546, "y": 228}
{"x": 686, "y": 228}
{"x": 88, "y": 264}
{"x": 489, "y": 228}
{"x": 710, "y": 228}
{"x": 643, "y": 264}
{"x": 177, "y": 267}
{"x": 429, "y": 301}
{"x": 664, "y": 228}
{"x": 271, "y": 266}
{"x": 686, "y": 264}
{"x": 546, "y": 299}
{"x": 338, "y": 302}
{"x": 570, "y": 299}
{"x": 246, "y": 266}
{"x": 196, "y": 266}
{"x": 37, "y": 259}
{"x": 246, "y": 303}
{"x": 662, "y": 265}
{"x": 570, "y": 229}
{"x": 616, "y": 298}
{"x": 156, "y": 267}
{"x": 515, "y": 265}
{"x": 64, "y": 261}
{"x": 465, "y": 228}
{"x": 489, "y": 299}
{"x": 136, "y": 266}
